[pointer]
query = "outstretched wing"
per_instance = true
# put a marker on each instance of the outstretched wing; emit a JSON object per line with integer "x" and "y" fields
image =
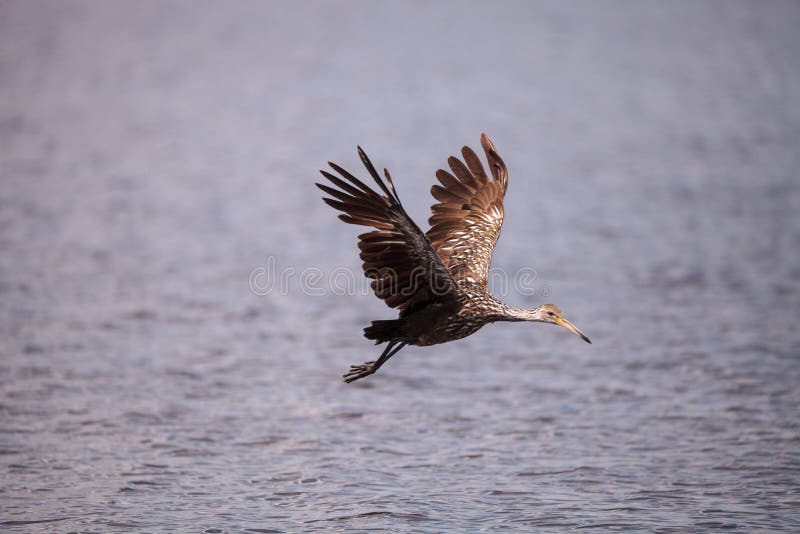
{"x": 466, "y": 222}
{"x": 404, "y": 267}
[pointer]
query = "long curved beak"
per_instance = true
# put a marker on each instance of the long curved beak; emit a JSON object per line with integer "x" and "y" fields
{"x": 572, "y": 328}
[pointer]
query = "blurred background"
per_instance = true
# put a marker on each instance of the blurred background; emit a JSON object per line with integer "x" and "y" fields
{"x": 153, "y": 155}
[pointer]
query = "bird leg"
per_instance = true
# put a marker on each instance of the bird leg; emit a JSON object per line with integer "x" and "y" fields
{"x": 366, "y": 369}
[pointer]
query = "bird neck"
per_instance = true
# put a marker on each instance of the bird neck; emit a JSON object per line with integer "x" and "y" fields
{"x": 511, "y": 313}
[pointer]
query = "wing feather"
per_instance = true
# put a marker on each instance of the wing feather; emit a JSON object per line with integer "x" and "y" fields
{"x": 447, "y": 196}
{"x": 475, "y": 165}
{"x": 466, "y": 222}
{"x": 462, "y": 172}
{"x": 405, "y": 269}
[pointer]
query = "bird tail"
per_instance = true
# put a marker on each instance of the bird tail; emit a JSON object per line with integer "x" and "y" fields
{"x": 386, "y": 330}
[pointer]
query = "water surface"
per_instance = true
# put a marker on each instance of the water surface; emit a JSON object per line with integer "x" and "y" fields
{"x": 154, "y": 155}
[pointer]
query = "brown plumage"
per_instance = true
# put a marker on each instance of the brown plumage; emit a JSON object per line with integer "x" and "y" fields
{"x": 437, "y": 280}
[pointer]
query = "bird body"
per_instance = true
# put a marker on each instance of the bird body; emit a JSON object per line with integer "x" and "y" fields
{"x": 440, "y": 323}
{"x": 439, "y": 279}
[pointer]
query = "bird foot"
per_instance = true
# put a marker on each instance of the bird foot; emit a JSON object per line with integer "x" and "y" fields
{"x": 359, "y": 371}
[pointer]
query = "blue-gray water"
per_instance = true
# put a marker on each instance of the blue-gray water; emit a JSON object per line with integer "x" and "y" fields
{"x": 154, "y": 155}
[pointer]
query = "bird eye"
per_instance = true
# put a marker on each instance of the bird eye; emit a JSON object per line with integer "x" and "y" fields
{"x": 551, "y": 314}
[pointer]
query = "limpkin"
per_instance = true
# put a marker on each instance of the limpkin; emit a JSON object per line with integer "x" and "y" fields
{"x": 438, "y": 279}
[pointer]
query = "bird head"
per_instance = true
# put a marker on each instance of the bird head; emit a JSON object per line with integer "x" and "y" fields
{"x": 550, "y": 313}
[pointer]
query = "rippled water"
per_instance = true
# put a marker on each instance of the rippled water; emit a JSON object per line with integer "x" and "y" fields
{"x": 154, "y": 155}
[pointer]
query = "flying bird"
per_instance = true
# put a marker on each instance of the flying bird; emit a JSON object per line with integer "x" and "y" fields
{"x": 437, "y": 279}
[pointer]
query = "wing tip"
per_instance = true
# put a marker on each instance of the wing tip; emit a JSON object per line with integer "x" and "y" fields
{"x": 365, "y": 159}
{"x": 486, "y": 143}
